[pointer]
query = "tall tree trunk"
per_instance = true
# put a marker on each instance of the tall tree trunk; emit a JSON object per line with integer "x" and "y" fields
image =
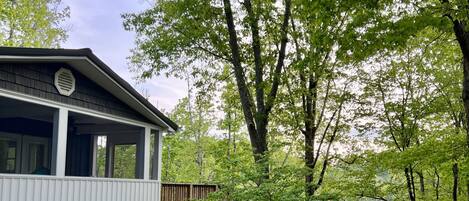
{"x": 412, "y": 179}
{"x": 244, "y": 93}
{"x": 462, "y": 36}
{"x": 455, "y": 181}
{"x": 309, "y": 109}
{"x": 256, "y": 120}
{"x": 465, "y": 96}
{"x": 410, "y": 189}
{"x": 437, "y": 184}
{"x": 422, "y": 182}
{"x": 467, "y": 189}
{"x": 466, "y": 106}
{"x": 228, "y": 152}
{"x": 309, "y": 160}
{"x": 234, "y": 138}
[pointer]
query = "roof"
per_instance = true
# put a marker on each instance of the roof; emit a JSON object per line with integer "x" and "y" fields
{"x": 86, "y": 54}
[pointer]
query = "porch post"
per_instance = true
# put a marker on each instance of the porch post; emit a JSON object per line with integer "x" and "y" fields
{"x": 94, "y": 152}
{"x": 157, "y": 155}
{"x": 143, "y": 154}
{"x": 109, "y": 171}
{"x": 146, "y": 161}
{"x": 59, "y": 142}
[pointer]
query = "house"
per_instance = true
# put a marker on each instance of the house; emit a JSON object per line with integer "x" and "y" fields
{"x": 58, "y": 108}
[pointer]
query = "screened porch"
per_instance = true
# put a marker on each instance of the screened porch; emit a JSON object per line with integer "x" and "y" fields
{"x": 58, "y": 153}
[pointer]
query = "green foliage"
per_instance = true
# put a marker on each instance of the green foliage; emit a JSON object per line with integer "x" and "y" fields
{"x": 189, "y": 150}
{"x": 124, "y": 161}
{"x": 32, "y": 23}
{"x": 382, "y": 76}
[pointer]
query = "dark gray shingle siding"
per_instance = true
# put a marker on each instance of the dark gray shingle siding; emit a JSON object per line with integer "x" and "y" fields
{"x": 37, "y": 79}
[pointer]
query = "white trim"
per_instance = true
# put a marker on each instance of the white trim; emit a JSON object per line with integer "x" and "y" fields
{"x": 94, "y": 151}
{"x": 160, "y": 153}
{"x": 146, "y": 153}
{"x": 128, "y": 93}
{"x": 65, "y": 58}
{"x": 85, "y": 111}
{"x": 59, "y": 142}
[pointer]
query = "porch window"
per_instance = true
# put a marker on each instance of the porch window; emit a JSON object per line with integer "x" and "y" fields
{"x": 24, "y": 154}
{"x": 8, "y": 150}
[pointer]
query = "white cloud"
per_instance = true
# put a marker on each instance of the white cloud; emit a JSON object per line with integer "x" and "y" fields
{"x": 97, "y": 24}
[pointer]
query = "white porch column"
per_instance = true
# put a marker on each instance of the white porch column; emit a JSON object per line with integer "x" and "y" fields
{"x": 59, "y": 142}
{"x": 146, "y": 161}
{"x": 158, "y": 153}
{"x": 94, "y": 152}
{"x": 143, "y": 154}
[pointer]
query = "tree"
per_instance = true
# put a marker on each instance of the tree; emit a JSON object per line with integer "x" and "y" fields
{"x": 453, "y": 10}
{"x": 329, "y": 39}
{"x": 174, "y": 35}
{"x": 411, "y": 95}
{"x": 353, "y": 90}
{"x": 189, "y": 146}
{"x": 32, "y": 23}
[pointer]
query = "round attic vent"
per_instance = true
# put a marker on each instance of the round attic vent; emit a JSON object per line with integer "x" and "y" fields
{"x": 64, "y": 82}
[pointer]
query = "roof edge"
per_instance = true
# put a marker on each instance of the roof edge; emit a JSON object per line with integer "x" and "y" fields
{"x": 88, "y": 53}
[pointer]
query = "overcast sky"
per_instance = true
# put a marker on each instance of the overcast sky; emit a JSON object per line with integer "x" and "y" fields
{"x": 97, "y": 24}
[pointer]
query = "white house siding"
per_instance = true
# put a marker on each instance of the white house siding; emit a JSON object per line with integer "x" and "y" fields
{"x": 51, "y": 188}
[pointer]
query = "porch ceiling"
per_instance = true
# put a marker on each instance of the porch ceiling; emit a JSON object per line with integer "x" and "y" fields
{"x": 18, "y": 109}
{"x": 84, "y": 124}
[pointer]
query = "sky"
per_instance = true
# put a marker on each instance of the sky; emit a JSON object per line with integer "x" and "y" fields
{"x": 97, "y": 24}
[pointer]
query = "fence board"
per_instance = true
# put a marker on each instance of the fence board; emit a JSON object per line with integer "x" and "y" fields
{"x": 185, "y": 192}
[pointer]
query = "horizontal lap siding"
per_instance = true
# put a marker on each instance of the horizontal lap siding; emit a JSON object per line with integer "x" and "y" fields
{"x": 47, "y": 188}
{"x": 37, "y": 79}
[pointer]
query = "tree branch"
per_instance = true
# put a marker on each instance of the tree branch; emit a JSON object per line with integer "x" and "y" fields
{"x": 281, "y": 57}
{"x": 333, "y": 136}
{"x": 388, "y": 118}
{"x": 258, "y": 65}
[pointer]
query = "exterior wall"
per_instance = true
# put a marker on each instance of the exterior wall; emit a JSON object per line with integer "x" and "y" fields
{"x": 34, "y": 128}
{"x": 37, "y": 79}
{"x": 79, "y": 155}
{"x": 49, "y": 188}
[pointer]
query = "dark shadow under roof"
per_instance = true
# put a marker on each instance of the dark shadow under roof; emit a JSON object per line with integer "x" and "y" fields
{"x": 86, "y": 52}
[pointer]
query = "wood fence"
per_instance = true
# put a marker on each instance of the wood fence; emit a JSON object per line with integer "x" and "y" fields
{"x": 185, "y": 192}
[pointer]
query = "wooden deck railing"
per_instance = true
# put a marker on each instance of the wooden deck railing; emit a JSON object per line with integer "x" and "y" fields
{"x": 185, "y": 192}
